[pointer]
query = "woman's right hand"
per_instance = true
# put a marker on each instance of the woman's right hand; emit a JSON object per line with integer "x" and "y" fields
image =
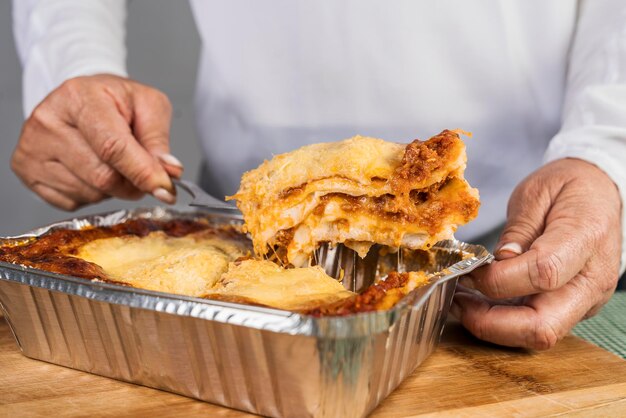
{"x": 97, "y": 137}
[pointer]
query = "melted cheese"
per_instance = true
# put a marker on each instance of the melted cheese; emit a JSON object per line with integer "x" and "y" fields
{"x": 266, "y": 283}
{"x": 375, "y": 157}
{"x": 359, "y": 228}
{"x": 196, "y": 265}
{"x": 189, "y": 265}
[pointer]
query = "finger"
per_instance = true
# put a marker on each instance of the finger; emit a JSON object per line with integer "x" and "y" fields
{"x": 507, "y": 301}
{"x": 109, "y": 135}
{"x": 461, "y": 289}
{"x": 151, "y": 126}
{"x": 552, "y": 260}
{"x": 57, "y": 176}
{"x": 539, "y": 323}
{"x": 173, "y": 170}
{"x": 606, "y": 296}
{"x": 526, "y": 213}
{"x": 54, "y": 197}
{"x": 85, "y": 164}
{"x": 82, "y": 161}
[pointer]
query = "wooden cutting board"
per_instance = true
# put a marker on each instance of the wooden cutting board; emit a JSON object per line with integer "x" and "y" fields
{"x": 464, "y": 377}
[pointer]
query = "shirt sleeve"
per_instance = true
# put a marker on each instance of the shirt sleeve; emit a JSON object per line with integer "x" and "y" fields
{"x": 594, "y": 112}
{"x": 60, "y": 39}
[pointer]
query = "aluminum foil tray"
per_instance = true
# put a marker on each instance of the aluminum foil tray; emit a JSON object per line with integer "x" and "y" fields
{"x": 259, "y": 360}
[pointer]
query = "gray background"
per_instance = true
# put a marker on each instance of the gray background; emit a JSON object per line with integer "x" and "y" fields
{"x": 163, "y": 48}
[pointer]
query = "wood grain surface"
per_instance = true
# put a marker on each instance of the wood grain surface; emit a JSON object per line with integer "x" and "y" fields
{"x": 464, "y": 377}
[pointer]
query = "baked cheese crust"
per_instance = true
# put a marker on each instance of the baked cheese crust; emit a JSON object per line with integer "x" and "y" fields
{"x": 262, "y": 282}
{"x": 189, "y": 265}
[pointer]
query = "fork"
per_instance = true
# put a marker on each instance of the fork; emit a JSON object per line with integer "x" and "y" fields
{"x": 201, "y": 198}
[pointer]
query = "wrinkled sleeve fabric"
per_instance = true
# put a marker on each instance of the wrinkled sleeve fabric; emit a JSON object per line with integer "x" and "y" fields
{"x": 60, "y": 39}
{"x": 594, "y": 112}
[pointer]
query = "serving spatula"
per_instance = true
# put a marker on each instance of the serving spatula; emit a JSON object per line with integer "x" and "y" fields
{"x": 201, "y": 198}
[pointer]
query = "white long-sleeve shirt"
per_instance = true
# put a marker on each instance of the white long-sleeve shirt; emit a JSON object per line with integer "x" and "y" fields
{"x": 534, "y": 80}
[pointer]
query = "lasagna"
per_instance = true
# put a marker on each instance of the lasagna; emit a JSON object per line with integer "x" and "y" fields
{"x": 195, "y": 258}
{"x": 263, "y": 282}
{"x": 189, "y": 265}
{"x": 382, "y": 295}
{"x": 357, "y": 192}
{"x": 180, "y": 256}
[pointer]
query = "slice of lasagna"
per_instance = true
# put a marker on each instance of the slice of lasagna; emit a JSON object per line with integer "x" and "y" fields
{"x": 358, "y": 192}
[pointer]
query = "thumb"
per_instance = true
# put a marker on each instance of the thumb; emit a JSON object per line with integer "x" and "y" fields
{"x": 526, "y": 213}
{"x": 151, "y": 126}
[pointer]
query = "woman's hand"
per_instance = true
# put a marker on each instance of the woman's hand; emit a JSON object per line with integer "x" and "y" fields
{"x": 96, "y": 137}
{"x": 557, "y": 261}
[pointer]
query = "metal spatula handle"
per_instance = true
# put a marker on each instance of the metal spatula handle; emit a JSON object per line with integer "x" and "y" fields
{"x": 202, "y": 198}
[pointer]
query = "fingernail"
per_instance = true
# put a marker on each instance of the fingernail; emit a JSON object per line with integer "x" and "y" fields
{"x": 511, "y": 247}
{"x": 169, "y": 159}
{"x": 164, "y": 196}
{"x": 455, "y": 309}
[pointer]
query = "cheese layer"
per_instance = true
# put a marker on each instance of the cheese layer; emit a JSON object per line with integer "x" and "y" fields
{"x": 188, "y": 265}
{"x": 263, "y": 282}
{"x": 202, "y": 266}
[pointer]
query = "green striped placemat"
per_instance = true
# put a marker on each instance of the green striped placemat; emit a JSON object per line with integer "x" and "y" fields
{"x": 608, "y": 328}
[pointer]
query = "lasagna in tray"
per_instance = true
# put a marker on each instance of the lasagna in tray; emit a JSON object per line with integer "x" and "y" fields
{"x": 195, "y": 258}
{"x": 180, "y": 256}
{"x": 357, "y": 192}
